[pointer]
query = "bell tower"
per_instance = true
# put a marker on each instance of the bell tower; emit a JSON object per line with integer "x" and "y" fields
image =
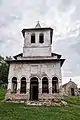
{"x": 37, "y": 41}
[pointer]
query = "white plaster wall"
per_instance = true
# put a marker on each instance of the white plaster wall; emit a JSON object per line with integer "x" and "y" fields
{"x": 27, "y": 39}
{"x": 41, "y": 69}
{"x": 41, "y": 51}
{"x": 37, "y": 49}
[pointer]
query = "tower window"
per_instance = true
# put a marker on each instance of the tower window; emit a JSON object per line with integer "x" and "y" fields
{"x": 41, "y": 38}
{"x": 33, "y": 38}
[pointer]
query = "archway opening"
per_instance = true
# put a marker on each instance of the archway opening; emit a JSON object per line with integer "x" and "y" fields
{"x": 34, "y": 88}
{"x": 14, "y": 85}
{"x": 54, "y": 85}
{"x": 45, "y": 88}
{"x": 72, "y": 92}
{"x": 23, "y": 85}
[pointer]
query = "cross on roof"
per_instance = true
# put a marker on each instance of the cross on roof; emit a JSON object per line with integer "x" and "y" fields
{"x": 38, "y": 25}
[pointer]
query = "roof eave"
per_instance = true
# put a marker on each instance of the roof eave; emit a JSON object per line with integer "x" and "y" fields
{"x": 29, "y": 29}
{"x": 56, "y": 54}
{"x": 62, "y": 61}
{"x": 15, "y": 57}
{"x": 37, "y": 60}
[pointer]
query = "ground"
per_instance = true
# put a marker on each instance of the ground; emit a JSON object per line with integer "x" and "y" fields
{"x": 14, "y": 111}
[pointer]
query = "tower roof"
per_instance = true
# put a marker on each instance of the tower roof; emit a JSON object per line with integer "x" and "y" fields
{"x": 37, "y": 28}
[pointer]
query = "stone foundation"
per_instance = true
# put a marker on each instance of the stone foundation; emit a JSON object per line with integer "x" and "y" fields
{"x": 42, "y": 98}
{"x": 45, "y": 99}
{"x": 16, "y": 97}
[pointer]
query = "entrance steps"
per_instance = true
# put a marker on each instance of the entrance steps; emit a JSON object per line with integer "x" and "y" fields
{"x": 45, "y": 99}
{"x": 34, "y": 103}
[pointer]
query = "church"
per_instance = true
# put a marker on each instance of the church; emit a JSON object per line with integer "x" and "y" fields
{"x": 35, "y": 74}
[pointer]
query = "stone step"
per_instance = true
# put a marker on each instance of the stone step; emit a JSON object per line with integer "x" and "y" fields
{"x": 33, "y": 103}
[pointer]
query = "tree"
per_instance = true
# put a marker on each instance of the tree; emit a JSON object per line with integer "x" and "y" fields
{"x": 4, "y": 68}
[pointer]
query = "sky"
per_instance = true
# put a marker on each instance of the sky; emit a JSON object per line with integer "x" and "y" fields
{"x": 62, "y": 15}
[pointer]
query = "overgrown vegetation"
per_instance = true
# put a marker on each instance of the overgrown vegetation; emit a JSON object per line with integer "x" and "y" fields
{"x": 2, "y": 93}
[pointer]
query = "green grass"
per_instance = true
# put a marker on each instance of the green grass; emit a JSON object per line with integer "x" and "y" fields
{"x": 14, "y": 111}
{"x": 73, "y": 100}
{"x": 11, "y": 111}
{"x": 2, "y": 93}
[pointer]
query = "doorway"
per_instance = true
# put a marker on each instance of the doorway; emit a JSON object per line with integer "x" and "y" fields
{"x": 34, "y": 89}
{"x": 72, "y": 92}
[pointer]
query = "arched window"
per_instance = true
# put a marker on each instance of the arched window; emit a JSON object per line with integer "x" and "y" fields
{"x": 14, "y": 84}
{"x": 33, "y": 38}
{"x": 23, "y": 85}
{"x": 54, "y": 85}
{"x": 41, "y": 38}
{"x": 45, "y": 88}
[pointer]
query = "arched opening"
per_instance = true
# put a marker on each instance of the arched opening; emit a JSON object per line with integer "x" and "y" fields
{"x": 33, "y": 38}
{"x": 34, "y": 88}
{"x": 72, "y": 92}
{"x": 14, "y": 85}
{"x": 41, "y": 38}
{"x": 23, "y": 85}
{"x": 54, "y": 85}
{"x": 45, "y": 88}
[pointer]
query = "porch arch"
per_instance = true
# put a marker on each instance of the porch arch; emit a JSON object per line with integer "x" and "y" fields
{"x": 54, "y": 85}
{"x": 14, "y": 85}
{"x": 45, "y": 85}
{"x": 23, "y": 85}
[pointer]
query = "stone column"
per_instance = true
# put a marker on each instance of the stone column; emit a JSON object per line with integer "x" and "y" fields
{"x": 40, "y": 90}
{"x": 60, "y": 87}
{"x": 50, "y": 87}
{"x": 18, "y": 87}
{"x": 9, "y": 88}
{"x": 28, "y": 90}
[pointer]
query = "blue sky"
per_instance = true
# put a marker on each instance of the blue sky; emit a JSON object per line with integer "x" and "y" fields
{"x": 62, "y": 15}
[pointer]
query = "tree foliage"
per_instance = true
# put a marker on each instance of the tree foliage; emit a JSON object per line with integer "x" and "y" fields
{"x": 4, "y": 68}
